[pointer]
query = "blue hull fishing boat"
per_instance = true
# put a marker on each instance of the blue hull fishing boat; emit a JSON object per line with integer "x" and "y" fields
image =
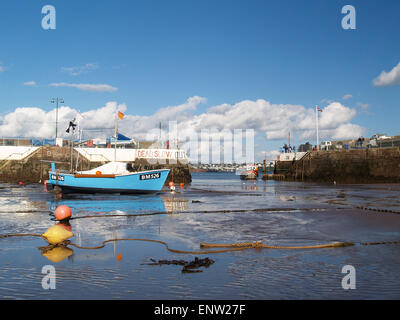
{"x": 112, "y": 177}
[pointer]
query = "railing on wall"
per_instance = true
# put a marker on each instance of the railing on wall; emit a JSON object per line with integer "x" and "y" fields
{"x": 16, "y": 152}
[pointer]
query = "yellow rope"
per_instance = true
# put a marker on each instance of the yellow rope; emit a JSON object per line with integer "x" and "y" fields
{"x": 156, "y": 241}
{"x": 224, "y": 247}
{"x": 260, "y": 245}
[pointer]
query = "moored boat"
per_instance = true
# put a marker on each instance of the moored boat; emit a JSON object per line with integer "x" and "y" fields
{"x": 113, "y": 177}
{"x": 250, "y": 172}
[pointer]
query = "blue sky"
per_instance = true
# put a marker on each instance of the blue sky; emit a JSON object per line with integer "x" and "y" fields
{"x": 160, "y": 53}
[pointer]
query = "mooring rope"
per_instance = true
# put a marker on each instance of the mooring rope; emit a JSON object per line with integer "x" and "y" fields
{"x": 155, "y": 241}
{"x": 260, "y": 245}
{"x": 377, "y": 209}
{"x": 222, "y": 211}
{"x": 21, "y": 235}
{"x": 227, "y": 247}
{"x": 198, "y": 212}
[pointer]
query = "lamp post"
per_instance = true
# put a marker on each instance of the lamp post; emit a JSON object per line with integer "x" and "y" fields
{"x": 57, "y": 100}
{"x": 316, "y": 120}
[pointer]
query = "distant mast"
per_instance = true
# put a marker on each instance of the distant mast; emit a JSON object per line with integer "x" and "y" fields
{"x": 115, "y": 136}
{"x": 317, "y": 109}
{"x": 316, "y": 123}
{"x": 120, "y": 115}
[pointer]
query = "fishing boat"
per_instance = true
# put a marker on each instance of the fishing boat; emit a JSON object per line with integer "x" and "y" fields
{"x": 113, "y": 177}
{"x": 250, "y": 172}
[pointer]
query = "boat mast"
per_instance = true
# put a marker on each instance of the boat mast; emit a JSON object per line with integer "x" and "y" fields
{"x": 115, "y": 137}
{"x": 316, "y": 120}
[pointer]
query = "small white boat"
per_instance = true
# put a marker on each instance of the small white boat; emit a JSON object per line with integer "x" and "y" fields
{"x": 250, "y": 172}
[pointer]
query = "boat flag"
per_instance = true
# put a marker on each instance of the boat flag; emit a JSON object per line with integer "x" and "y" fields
{"x": 318, "y": 109}
{"x": 71, "y": 125}
{"x": 121, "y": 115}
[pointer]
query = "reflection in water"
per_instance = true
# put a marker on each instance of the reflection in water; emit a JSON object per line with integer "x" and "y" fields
{"x": 109, "y": 204}
{"x": 57, "y": 254}
{"x": 127, "y": 208}
{"x": 249, "y": 186}
{"x": 87, "y": 228}
{"x": 174, "y": 203}
{"x": 286, "y": 197}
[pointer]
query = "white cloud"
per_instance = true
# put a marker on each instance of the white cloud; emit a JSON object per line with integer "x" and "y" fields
{"x": 34, "y": 122}
{"x": 347, "y": 131}
{"x": 76, "y": 71}
{"x": 269, "y": 121}
{"x": 267, "y": 155}
{"x": 334, "y": 115}
{"x": 30, "y": 83}
{"x": 388, "y": 78}
{"x": 103, "y": 117}
{"x": 347, "y": 96}
{"x": 86, "y": 87}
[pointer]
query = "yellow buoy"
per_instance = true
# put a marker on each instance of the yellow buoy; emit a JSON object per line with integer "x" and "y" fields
{"x": 57, "y": 234}
{"x": 58, "y": 254}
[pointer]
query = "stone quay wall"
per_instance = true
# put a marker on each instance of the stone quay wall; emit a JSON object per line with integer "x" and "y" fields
{"x": 378, "y": 165}
{"x": 34, "y": 168}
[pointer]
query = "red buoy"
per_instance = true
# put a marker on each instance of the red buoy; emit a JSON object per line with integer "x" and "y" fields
{"x": 63, "y": 212}
{"x": 21, "y": 183}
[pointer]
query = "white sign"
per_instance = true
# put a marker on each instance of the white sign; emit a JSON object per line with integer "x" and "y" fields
{"x": 174, "y": 154}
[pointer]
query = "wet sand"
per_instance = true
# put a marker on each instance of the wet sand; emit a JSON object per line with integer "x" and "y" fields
{"x": 215, "y": 208}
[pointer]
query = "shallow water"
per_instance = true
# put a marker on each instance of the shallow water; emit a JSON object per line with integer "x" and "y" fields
{"x": 215, "y": 208}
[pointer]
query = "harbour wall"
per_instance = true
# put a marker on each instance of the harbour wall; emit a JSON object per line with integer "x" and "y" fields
{"x": 380, "y": 165}
{"x": 32, "y": 164}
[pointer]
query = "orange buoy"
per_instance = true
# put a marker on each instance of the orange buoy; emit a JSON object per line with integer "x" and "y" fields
{"x": 98, "y": 173}
{"x": 182, "y": 185}
{"x": 63, "y": 212}
{"x": 45, "y": 182}
{"x": 170, "y": 184}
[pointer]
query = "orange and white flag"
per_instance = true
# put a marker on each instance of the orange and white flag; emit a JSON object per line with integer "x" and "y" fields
{"x": 121, "y": 115}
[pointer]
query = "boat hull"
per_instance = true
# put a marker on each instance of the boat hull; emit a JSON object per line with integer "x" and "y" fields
{"x": 135, "y": 183}
{"x": 249, "y": 176}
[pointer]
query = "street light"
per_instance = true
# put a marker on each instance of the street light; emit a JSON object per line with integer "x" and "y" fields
{"x": 57, "y": 100}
